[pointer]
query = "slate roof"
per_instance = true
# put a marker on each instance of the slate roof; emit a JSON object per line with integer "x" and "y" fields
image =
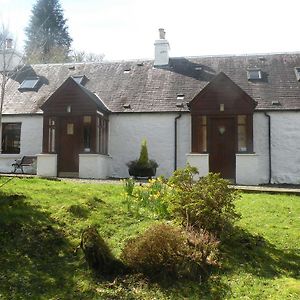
{"x": 149, "y": 89}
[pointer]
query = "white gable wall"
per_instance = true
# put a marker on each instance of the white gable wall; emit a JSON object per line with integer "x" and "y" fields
{"x": 31, "y": 139}
{"x": 126, "y": 132}
{"x": 285, "y": 147}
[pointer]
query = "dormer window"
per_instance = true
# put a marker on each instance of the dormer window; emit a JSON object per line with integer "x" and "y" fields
{"x": 297, "y": 72}
{"x": 30, "y": 84}
{"x": 254, "y": 74}
{"x": 80, "y": 79}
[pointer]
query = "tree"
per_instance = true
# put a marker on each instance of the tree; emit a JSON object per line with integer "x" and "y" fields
{"x": 48, "y": 39}
{"x": 82, "y": 56}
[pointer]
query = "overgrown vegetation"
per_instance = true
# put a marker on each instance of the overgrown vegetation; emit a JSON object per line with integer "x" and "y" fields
{"x": 205, "y": 208}
{"x": 40, "y": 233}
{"x": 204, "y": 204}
{"x": 167, "y": 251}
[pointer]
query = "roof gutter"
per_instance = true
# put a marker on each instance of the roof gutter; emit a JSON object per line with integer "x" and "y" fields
{"x": 175, "y": 139}
{"x": 269, "y": 147}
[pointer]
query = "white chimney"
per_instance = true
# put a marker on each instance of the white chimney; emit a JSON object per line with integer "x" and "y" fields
{"x": 162, "y": 48}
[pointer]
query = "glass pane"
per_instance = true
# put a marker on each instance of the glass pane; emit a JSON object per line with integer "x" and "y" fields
{"x": 241, "y": 119}
{"x": 11, "y": 137}
{"x": 204, "y": 139}
{"x": 87, "y": 119}
{"x": 254, "y": 74}
{"x": 87, "y": 138}
{"x": 70, "y": 128}
{"x": 29, "y": 83}
{"x": 242, "y": 138}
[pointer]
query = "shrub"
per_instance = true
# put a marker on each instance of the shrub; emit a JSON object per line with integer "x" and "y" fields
{"x": 98, "y": 254}
{"x": 144, "y": 160}
{"x": 206, "y": 204}
{"x": 166, "y": 251}
{"x": 142, "y": 167}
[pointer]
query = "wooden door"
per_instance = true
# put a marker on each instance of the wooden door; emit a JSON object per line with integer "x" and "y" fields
{"x": 222, "y": 147}
{"x": 69, "y": 146}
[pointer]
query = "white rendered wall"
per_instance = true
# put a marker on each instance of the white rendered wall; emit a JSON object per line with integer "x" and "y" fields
{"x": 47, "y": 165}
{"x": 252, "y": 169}
{"x": 94, "y": 166}
{"x": 30, "y": 140}
{"x": 200, "y": 161}
{"x": 285, "y": 143}
{"x": 126, "y": 132}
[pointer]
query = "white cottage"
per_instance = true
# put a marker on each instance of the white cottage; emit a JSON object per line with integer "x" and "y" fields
{"x": 237, "y": 115}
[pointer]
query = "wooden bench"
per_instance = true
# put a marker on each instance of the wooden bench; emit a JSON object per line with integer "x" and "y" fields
{"x": 25, "y": 161}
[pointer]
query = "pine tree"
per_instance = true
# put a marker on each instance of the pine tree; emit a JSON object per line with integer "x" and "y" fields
{"x": 48, "y": 39}
{"x": 144, "y": 160}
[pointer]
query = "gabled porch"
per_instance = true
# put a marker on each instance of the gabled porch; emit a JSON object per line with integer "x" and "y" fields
{"x": 75, "y": 134}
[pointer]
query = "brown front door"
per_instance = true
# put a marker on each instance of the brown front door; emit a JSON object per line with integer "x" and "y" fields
{"x": 68, "y": 157}
{"x": 222, "y": 147}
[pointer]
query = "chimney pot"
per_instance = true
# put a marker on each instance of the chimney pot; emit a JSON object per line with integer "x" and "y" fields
{"x": 9, "y": 43}
{"x": 162, "y": 33}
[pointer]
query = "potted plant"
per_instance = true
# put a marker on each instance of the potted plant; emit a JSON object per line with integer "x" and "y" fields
{"x": 142, "y": 167}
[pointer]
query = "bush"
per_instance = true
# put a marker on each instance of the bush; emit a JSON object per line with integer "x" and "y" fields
{"x": 98, "y": 254}
{"x": 206, "y": 204}
{"x": 166, "y": 251}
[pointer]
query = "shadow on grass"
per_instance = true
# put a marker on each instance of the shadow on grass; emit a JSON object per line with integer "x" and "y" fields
{"x": 257, "y": 256}
{"x": 35, "y": 258}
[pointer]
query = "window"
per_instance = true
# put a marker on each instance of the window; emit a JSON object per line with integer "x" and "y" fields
{"x": 87, "y": 120}
{"x": 51, "y": 135}
{"x": 11, "y": 133}
{"x": 199, "y": 134}
{"x": 242, "y": 133}
{"x": 102, "y": 135}
{"x": 254, "y": 74}
{"x": 29, "y": 84}
{"x": 297, "y": 72}
{"x": 245, "y": 133}
{"x": 70, "y": 128}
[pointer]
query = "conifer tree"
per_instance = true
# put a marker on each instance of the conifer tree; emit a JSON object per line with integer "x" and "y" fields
{"x": 48, "y": 39}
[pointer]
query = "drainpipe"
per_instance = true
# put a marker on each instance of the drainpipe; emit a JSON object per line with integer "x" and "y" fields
{"x": 175, "y": 148}
{"x": 269, "y": 147}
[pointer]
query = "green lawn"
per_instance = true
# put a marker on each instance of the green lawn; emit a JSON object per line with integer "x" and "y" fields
{"x": 41, "y": 222}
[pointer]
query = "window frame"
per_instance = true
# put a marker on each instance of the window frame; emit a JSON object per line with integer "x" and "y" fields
{"x": 197, "y": 125}
{"x": 102, "y": 131}
{"x": 33, "y": 87}
{"x": 297, "y": 73}
{"x": 259, "y": 72}
{"x": 4, "y": 125}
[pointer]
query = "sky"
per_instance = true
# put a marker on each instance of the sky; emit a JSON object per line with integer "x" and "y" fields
{"x": 127, "y": 29}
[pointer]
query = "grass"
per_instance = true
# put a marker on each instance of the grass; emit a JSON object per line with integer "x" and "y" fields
{"x": 41, "y": 222}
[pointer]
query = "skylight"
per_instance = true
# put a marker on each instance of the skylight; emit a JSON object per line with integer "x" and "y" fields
{"x": 180, "y": 96}
{"x": 297, "y": 72}
{"x": 254, "y": 74}
{"x": 29, "y": 83}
